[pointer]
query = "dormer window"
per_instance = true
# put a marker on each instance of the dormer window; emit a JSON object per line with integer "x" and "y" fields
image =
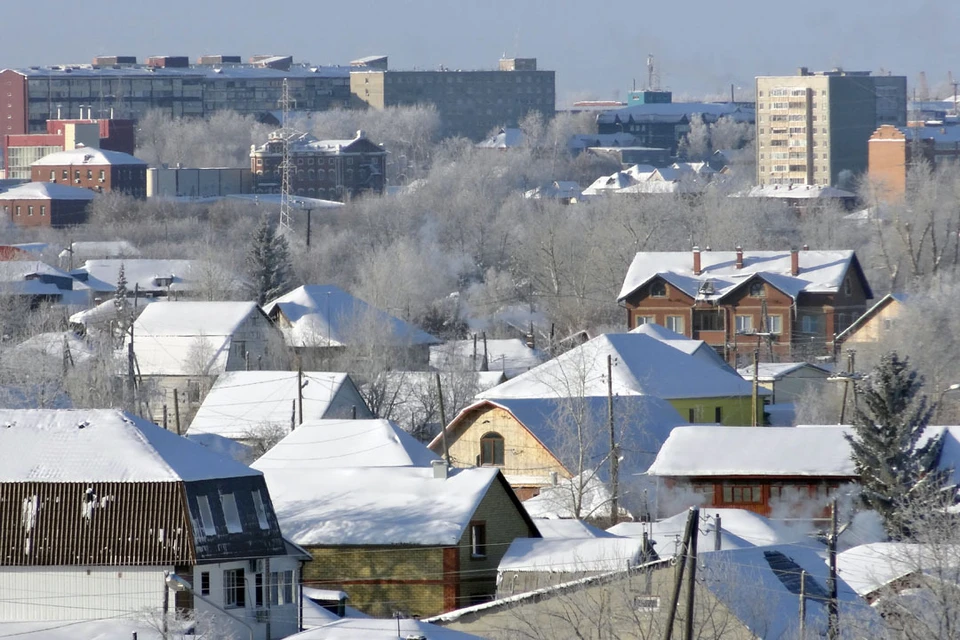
{"x": 163, "y": 281}
{"x": 757, "y": 289}
{"x": 658, "y": 289}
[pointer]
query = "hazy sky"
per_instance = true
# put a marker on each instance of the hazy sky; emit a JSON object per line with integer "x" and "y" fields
{"x": 596, "y": 48}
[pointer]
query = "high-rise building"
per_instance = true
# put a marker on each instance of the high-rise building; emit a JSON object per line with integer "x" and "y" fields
{"x": 469, "y": 103}
{"x": 812, "y": 128}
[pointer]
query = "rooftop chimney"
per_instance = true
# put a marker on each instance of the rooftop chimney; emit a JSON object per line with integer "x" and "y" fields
{"x": 696, "y": 261}
{"x": 440, "y": 469}
{"x": 739, "y": 257}
{"x": 806, "y": 247}
{"x": 794, "y": 261}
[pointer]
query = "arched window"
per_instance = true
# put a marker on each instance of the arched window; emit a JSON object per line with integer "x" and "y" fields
{"x": 491, "y": 449}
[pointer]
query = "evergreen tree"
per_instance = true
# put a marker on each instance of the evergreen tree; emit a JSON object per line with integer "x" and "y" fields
{"x": 268, "y": 263}
{"x": 121, "y": 302}
{"x": 897, "y": 466}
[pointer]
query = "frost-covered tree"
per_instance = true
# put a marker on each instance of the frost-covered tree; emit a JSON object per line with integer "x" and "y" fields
{"x": 268, "y": 263}
{"x": 896, "y": 463}
{"x": 121, "y": 302}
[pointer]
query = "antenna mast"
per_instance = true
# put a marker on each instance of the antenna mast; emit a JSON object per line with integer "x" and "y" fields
{"x": 653, "y": 78}
{"x": 287, "y": 136}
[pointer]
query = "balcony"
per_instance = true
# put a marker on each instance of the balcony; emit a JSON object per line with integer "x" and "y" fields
{"x": 714, "y": 337}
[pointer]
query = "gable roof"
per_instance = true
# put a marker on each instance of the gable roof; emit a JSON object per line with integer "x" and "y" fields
{"x": 193, "y": 318}
{"x": 87, "y": 156}
{"x": 47, "y": 190}
{"x": 870, "y": 567}
{"x": 814, "y": 451}
{"x": 143, "y": 274}
{"x": 819, "y": 272}
{"x": 326, "y": 315}
{"x": 879, "y": 306}
{"x": 571, "y": 555}
{"x": 644, "y": 366}
{"x": 696, "y": 348}
{"x": 773, "y": 371}
{"x": 338, "y": 444}
{"x": 104, "y": 445}
{"x": 241, "y": 401}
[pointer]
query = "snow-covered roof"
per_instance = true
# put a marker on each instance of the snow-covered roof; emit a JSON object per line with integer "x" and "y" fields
{"x": 654, "y": 186}
{"x": 869, "y": 567}
{"x": 50, "y": 345}
{"x": 346, "y": 444}
{"x": 568, "y": 528}
{"x": 506, "y": 138}
{"x": 35, "y": 278}
{"x": 819, "y": 271}
{"x": 607, "y": 184}
{"x": 675, "y": 112}
{"x": 695, "y": 348}
{"x": 47, "y": 191}
{"x": 381, "y": 629}
{"x": 326, "y": 315}
{"x": 584, "y": 495}
{"x": 571, "y": 555}
{"x": 556, "y": 189}
{"x": 644, "y": 366}
{"x": 148, "y": 275}
{"x": 772, "y": 371}
{"x": 241, "y": 401}
{"x": 106, "y": 311}
{"x": 755, "y": 451}
{"x": 512, "y": 356}
{"x": 798, "y": 191}
{"x": 104, "y": 445}
{"x": 229, "y": 71}
{"x": 375, "y": 505}
{"x": 85, "y": 250}
{"x": 87, "y": 156}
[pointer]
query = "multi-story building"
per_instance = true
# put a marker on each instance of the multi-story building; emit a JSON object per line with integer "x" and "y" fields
{"x": 22, "y": 150}
{"x": 42, "y": 204}
{"x": 470, "y": 103}
{"x": 96, "y": 169}
{"x": 812, "y": 128}
{"x": 662, "y": 124}
{"x": 115, "y": 86}
{"x": 893, "y": 151}
{"x": 325, "y": 169}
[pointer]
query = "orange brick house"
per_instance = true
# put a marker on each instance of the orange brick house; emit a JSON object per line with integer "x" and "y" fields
{"x": 788, "y": 304}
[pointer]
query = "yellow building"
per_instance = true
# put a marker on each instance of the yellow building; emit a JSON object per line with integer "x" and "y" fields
{"x": 876, "y": 322}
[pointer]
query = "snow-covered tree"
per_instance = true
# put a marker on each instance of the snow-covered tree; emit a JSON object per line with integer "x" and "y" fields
{"x": 121, "y": 302}
{"x": 896, "y": 463}
{"x": 268, "y": 263}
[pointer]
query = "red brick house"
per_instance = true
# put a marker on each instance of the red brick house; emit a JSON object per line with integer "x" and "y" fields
{"x": 42, "y": 204}
{"x": 99, "y": 170}
{"x": 789, "y": 304}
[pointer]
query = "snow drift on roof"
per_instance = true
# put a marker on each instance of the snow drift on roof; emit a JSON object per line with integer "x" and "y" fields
{"x": 571, "y": 555}
{"x": 145, "y": 274}
{"x": 87, "y": 156}
{"x": 103, "y": 445}
{"x": 47, "y": 190}
{"x": 569, "y": 528}
{"x": 183, "y": 318}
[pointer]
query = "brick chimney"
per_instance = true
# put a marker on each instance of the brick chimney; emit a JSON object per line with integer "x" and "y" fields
{"x": 696, "y": 261}
{"x": 739, "y": 257}
{"x": 794, "y": 261}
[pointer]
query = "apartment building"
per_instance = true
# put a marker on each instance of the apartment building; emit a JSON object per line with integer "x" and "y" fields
{"x": 470, "y": 103}
{"x": 20, "y": 151}
{"x": 812, "y": 128}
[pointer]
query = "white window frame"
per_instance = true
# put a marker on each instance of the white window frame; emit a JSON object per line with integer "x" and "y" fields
{"x": 675, "y": 324}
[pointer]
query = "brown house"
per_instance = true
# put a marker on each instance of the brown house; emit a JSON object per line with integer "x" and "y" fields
{"x": 324, "y": 169}
{"x": 95, "y": 169}
{"x": 41, "y": 204}
{"x": 789, "y": 305}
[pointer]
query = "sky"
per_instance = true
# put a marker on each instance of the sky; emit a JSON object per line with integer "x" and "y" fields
{"x": 598, "y": 49}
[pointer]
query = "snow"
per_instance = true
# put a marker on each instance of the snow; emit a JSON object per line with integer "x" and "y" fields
{"x": 106, "y": 311}
{"x": 243, "y": 400}
{"x": 511, "y": 356}
{"x": 819, "y": 272}
{"x": 106, "y": 629}
{"x": 223, "y": 446}
{"x": 87, "y": 156}
{"x": 773, "y": 371}
{"x": 104, "y": 445}
{"x": 314, "y": 615}
{"x": 675, "y": 112}
{"x": 374, "y": 505}
{"x": 143, "y": 274}
{"x": 380, "y": 629}
{"x": 346, "y": 444}
{"x": 798, "y": 191}
{"x": 47, "y": 191}
{"x": 87, "y": 249}
{"x": 820, "y": 451}
{"x": 868, "y": 567}
{"x": 571, "y": 555}
{"x": 560, "y": 501}
{"x": 507, "y": 138}
{"x": 51, "y": 346}
{"x": 561, "y": 528}
{"x": 326, "y": 315}
{"x": 696, "y": 348}
{"x": 644, "y": 366}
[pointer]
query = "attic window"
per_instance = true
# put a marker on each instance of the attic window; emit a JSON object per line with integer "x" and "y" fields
{"x": 757, "y": 289}
{"x": 491, "y": 449}
{"x": 261, "y": 511}
{"x": 163, "y": 281}
{"x": 206, "y": 516}
{"x": 658, "y": 289}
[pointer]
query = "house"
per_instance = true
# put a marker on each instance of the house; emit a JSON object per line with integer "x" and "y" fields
{"x": 81, "y": 251}
{"x": 387, "y": 521}
{"x": 639, "y": 364}
{"x": 320, "y": 321}
{"x": 536, "y": 441}
{"x": 155, "y": 278}
{"x": 876, "y": 322}
{"x": 879, "y": 570}
{"x": 774, "y": 470}
{"x": 740, "y": 594}
{"x": 41, "y": 204}
{"x": 787, "y": 381}
{"x": 99, "y": 170}
{"x": 786, "y": 305}
{"x": 665, "y": 124}
{"x": 803, "y": 197}
{"x": 506, "y": 138}
{"x": 35, "y": 283}
{"x": 182, "y": 346}
{"x": 563, "y": 191}
{"x": 511, "y": 356}
{"x": 242, "y": 403}
{"x": 102, "y": 504}
{"x": 696, "y": 348}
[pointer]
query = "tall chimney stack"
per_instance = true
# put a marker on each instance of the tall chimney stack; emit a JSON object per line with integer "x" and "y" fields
{"x": 696, "y": 261}
{"x": 739, "y": 257}
{"x": 794, "y": 261}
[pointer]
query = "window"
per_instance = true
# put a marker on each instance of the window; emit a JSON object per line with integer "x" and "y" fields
{"x": 261, "y": 511}
{"x": 30, "y": 210}
{"x": 711, "y": 320}
{"x": 204, "y": 583}
{"x": 193, "y": 390}
{"x": 206, "y": 516}
{"x": 53, "y": 176}
{"x": 744, "y": 324}
{"x": 239, "y": 348}
{"x": 18, "y": 209}
{"x": 89, "y": 174}
{"x": 65, "y": 175}
{"x": 640, "y": 320}
{"x": 658, "y": 289}
{"x": 103, "y": 175}
{"x": 43, "y": 210}
{"x": 742, "y": 494}
{"x": 281, "y": 587}
{"x": 757, "y": 289}
{"x": 230, "y": 513}
{"x": 718, "y": 415}
{"x": 675, "y": 323}
{"x": 234, "y": 593}
{"x": 491, "y": 449}
{"x": 478, "y": 540}
{"x": 775, "y": 324}
{"x": 848, "y": 286}
{"x": 258, "y": 590}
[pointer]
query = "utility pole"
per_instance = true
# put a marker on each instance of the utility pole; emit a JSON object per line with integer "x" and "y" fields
{"x": 309, "y": 211}
{"x": 803, "y": 605}
{"x": 614, "y": 453}
{"x": 443, "y": 421}
{"x": 131, "y": 380}
{"x": 833, "y": 631}
{"x": 176, "y": 410}
{"x": 300, "y": 385}
{"x": 165, "y": 631}
{"x": 755, "y": 395}
{"x": 692, "y": 525}
{"x": 716, "y": 532}
{"x": 846, "y": 385}
{"x": 691, "y": 575}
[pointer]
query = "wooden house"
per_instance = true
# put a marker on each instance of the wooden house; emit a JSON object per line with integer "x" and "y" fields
{"x": 875, "y": 323}
{"x": 98, "y": 505}
{"x": 786, "y": 305}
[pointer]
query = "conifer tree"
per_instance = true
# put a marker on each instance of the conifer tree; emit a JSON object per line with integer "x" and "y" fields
{"x": 897, "y": 465}
{"x": 268, "y": 263}
{"x": 121, "y": 302}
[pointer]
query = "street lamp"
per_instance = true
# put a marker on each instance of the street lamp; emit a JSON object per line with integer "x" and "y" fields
{"x": 954, "y": 387}
{"x": 178, "y": 584}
